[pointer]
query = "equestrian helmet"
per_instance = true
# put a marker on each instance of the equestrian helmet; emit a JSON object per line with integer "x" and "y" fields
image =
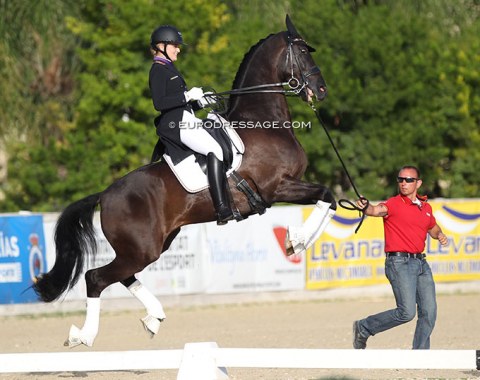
{"x": 167, "y": 34}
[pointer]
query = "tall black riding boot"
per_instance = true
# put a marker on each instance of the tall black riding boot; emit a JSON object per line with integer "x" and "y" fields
{"x": 218, "y": 189}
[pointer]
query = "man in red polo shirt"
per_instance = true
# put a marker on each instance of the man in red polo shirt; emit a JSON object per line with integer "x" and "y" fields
{"x": 407, "y": 218}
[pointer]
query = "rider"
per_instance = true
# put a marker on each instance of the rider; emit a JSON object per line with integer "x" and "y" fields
{"x": 177, "y": 126}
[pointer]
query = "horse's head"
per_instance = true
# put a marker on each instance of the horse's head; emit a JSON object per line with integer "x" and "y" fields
{"x": 302, "y": 74}
{"x": 279, "y": 60}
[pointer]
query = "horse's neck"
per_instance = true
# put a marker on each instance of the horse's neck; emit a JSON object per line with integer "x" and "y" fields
{"x": 262, "y": 68}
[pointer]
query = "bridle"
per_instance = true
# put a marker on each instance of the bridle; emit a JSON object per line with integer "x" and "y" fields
{"x": 293, "y": 86}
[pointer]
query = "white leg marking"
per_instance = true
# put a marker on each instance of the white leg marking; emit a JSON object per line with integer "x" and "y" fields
{"x": 89, "y": 331}
{"x": 155, "y": 313}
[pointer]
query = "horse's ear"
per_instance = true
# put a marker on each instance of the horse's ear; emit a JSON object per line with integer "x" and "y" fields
{"x": 291, "y": 28}
{"x": 292, "y": 32}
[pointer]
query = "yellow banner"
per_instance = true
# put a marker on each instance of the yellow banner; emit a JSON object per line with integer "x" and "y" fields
{"x": 341, "y": 258}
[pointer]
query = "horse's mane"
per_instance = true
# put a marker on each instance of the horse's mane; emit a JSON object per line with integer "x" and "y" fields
{"x": 245, "y": 61}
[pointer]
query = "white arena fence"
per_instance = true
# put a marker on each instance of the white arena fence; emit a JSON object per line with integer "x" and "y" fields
{"x": 206, "y": 360}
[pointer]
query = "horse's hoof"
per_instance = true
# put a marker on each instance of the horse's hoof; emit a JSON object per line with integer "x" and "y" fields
{"x": 297, "y": 249}
{"x": 289, "y": 248}
{"x": 70, "y": 343}
{"x": 151, "y": 325}
{"x": 294, "y": 241}
{"x": 75, "y": 338}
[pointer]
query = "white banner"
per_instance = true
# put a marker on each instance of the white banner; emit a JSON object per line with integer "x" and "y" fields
{"x": 250, "y": 255}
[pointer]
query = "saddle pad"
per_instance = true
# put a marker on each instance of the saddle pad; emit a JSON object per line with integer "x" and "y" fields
{"x": 188, "y": 171}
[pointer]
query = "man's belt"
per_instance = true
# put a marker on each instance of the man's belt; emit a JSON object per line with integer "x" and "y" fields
{"x": 420, "y": 256}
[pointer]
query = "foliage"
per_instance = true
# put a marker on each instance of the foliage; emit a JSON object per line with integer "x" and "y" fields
{"x": 36, "y": 65}
{"x": 111, "y": 132}
{"x": 403, "y": 82}
{"x": 394, "y": 94}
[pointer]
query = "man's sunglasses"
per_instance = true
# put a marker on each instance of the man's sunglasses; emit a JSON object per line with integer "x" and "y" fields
{"x": 406, "y": 179}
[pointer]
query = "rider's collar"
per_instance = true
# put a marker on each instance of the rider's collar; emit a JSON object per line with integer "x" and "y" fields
{"x": 161, "y": 59}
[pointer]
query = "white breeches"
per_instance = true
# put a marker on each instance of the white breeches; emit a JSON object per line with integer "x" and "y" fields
{"x": 196, "y": 138}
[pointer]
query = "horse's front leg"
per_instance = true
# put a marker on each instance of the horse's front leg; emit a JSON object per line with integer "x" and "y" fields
{"x": 291, "y": 190}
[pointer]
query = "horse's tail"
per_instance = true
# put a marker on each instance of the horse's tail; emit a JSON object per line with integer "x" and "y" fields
{"x": 74, "y": 237}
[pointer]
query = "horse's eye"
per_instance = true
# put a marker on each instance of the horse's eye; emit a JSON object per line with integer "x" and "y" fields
{"x": 304, "y": 51}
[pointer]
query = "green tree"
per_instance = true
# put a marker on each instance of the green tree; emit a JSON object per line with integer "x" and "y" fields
{"x": 386, "y": 64}
{"x": 112, "y": 128}
{"x": 403, "y": 80}
{"x": 36, "y": 65}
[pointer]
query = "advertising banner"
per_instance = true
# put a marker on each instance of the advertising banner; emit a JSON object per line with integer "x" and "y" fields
{"x": 342, "y": 258}
{"x": 206, "y": 258}
{"x": 460, "y": 260}
{"x": 250, "y": 256}
{"x": 177, "y": 271}
{"x": 22, "y": 257}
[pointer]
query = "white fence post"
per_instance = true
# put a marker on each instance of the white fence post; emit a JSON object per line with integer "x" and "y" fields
{"x": 199, "y": 362}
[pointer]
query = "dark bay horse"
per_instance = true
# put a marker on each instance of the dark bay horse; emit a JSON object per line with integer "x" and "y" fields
{"x": 142, "y": 212}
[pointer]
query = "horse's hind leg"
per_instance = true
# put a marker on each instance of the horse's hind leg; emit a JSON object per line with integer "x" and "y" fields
{"x": 87, "y": 334}
{"x": 96, "y": 283}
{"x": 155, "y": 313}
{"x": 98, "y": 280}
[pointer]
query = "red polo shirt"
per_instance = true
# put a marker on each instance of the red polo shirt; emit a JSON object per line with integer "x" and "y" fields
{"x": 406, "y": 225}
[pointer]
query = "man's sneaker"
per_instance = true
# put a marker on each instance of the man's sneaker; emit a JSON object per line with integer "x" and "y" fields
{"x": 359, "y": 342}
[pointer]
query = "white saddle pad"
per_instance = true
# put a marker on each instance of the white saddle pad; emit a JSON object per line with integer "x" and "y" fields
{"x": 188, "y": 171}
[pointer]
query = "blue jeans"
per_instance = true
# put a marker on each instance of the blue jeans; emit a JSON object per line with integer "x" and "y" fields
{"x": 412, "y": 284}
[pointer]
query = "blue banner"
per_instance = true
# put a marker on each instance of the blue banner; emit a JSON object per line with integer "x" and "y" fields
{"x": 22, "y": 257}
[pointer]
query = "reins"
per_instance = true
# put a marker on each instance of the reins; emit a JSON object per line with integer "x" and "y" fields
{"x": 218, "y": 98}
{"x": 294, "y": 90}
{"x": 254, "y": 89}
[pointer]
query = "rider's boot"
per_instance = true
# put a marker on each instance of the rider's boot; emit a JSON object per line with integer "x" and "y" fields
{"x": 218, "y": 189}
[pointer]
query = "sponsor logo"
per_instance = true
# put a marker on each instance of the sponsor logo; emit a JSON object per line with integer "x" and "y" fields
{"x": 35, "y": 261}
{"x": 342, "y": 228}
{"x": 457, "y": 221}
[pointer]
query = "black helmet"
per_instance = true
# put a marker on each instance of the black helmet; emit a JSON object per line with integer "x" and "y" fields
{"x": 167, "y": 34}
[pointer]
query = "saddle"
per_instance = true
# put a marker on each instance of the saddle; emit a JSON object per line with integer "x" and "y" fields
{"x": 191, "y": 172}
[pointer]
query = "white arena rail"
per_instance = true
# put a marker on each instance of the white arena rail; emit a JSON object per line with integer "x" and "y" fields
{"x": 207, "y": 360}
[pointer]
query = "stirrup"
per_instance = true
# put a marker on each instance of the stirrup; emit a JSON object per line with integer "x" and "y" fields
{"x": 224, "y": 216}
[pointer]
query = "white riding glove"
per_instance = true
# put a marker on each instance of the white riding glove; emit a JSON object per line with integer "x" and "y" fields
{"x": 195, "y": 93}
